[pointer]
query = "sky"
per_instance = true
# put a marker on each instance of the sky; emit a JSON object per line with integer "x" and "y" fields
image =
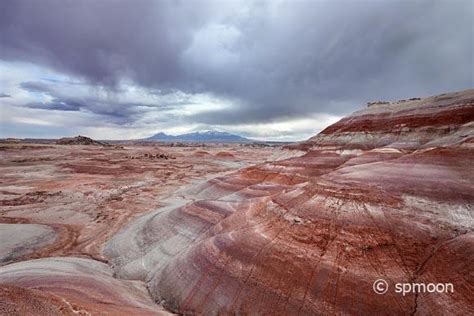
{"x": 268, "y": 70}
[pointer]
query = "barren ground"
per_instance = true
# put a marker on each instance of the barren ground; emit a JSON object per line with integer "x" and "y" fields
{"x": 385, "y": 193}
{"x": 60, "y": 200}
{"x": 87, "y": 193}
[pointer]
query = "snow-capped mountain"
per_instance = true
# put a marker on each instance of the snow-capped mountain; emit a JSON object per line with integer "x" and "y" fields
{"x": 208, "y": 136}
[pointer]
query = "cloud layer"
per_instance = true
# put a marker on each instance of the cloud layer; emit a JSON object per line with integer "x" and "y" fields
{"x": 260, "y": 62}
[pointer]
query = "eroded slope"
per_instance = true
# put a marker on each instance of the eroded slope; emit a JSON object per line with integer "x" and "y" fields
{"x": 387, "y": 192}
{"x": 67, "y": 200}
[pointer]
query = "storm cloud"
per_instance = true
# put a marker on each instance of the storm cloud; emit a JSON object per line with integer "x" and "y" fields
{"x": 113, "y": 106}
{"x": 265, "y": 61}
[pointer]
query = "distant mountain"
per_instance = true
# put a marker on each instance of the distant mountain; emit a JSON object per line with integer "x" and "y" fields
{"x": 200, "y": 137}
{"x": 162, "y": 137}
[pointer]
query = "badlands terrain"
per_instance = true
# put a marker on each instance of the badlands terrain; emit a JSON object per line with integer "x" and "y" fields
{"x": 303, "y": 229}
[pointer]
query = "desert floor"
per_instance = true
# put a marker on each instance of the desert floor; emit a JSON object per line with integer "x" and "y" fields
{"x": 67, "y": 201}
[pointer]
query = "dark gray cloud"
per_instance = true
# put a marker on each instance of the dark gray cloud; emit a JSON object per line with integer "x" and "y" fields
{"x": 107, "y": 108}
{"x": 4, "y": 95}
{"x": 36, "y": 86}
{"x": 56, "y": 104}
{"x": 102, "y": 41}
{"x": 272, "y": 60}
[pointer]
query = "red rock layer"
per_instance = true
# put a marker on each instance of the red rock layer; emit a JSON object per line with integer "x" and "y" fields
{"x": 67, "y": 201}
{"x": 385, "y": 193}
{"x": 70, "y": 286}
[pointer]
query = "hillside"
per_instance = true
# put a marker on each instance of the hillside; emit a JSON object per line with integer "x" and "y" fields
{"x": 387, "y": 192}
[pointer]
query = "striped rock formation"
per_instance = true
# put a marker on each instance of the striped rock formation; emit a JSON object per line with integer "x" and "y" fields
{"x": 62, "y": 203}
{"x": 385, "y": 193}
{"x": 70, "y": 286}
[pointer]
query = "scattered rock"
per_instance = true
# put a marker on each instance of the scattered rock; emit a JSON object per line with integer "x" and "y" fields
{"x": 160, "y": 155}
{"x": 377, "y": 103}
{"x": 11, "y": 141}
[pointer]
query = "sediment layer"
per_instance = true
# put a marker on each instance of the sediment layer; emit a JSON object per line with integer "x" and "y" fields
{"x": 387, "y": 192}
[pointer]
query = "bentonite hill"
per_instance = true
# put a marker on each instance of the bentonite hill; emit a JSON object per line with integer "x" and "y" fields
{"x": 385, "y": 193}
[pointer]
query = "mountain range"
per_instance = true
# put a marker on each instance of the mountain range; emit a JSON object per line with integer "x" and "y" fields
{"x": 201, "y": 136}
